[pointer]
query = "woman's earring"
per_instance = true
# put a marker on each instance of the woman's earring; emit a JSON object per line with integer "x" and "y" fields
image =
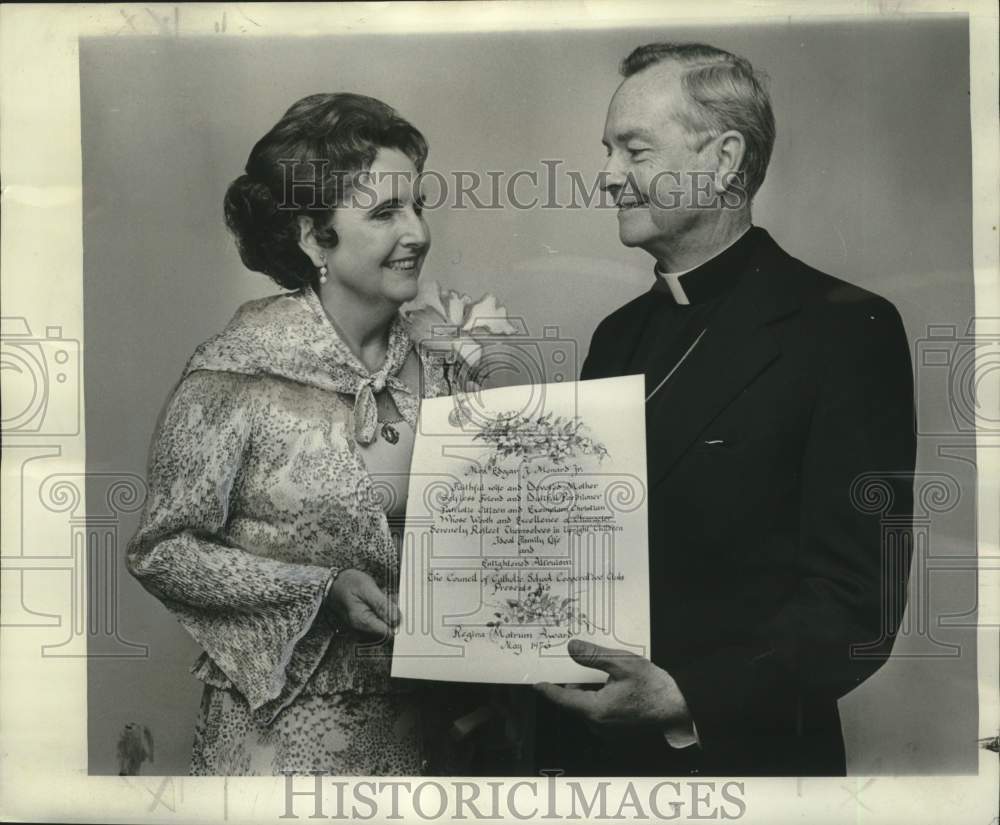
{"x": 322, "y": 271}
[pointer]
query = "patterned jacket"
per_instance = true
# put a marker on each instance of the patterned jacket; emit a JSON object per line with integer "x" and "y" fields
{"x": 256, "y": 489}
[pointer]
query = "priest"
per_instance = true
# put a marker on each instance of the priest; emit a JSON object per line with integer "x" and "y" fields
{"x": 778, "y": 399}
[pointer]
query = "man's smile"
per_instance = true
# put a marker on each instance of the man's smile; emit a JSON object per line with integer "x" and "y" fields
{"x": 626, "y": 204}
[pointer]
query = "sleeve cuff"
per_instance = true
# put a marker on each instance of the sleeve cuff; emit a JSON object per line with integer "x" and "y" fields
{"x": 682, "y": 736}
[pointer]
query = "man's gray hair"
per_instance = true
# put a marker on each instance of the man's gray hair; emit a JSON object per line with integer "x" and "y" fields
{"x": 724, "y": 92}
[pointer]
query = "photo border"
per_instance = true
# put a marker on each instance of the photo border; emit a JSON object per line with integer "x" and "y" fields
{"x": 43, "y": 708}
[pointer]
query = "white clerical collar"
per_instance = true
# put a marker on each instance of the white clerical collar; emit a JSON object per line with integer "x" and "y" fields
{"x": 673, "y": 279}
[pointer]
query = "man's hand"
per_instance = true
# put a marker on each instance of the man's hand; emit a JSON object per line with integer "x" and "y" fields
{"x": 637, "y": 691}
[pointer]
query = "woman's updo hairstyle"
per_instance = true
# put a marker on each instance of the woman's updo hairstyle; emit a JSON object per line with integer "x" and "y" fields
{"x": 304, "y": 166}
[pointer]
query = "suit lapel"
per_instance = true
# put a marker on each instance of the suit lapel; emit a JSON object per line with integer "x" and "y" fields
{"x": 736, "y": 348}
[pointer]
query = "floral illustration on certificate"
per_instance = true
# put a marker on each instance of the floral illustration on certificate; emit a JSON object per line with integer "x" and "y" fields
{"x": 526, "y": 527}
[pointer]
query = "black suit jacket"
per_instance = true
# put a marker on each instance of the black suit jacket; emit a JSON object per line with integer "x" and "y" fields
{"x": 780, "y": 459}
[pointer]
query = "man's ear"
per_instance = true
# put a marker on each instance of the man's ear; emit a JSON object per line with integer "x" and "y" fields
{"x": 308, "y": 242}
{"x": 730, "y": 149}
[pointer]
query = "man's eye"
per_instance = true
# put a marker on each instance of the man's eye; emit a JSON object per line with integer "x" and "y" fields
{"x": 635, "y": 152}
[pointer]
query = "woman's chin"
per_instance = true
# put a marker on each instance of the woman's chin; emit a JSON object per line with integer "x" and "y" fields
{"x": 401, "y": 293}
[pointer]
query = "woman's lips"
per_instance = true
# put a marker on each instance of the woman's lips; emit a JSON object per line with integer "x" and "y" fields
{"x": 403, "y": 264}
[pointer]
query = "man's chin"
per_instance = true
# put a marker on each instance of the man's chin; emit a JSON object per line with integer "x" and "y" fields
{"x": 628, "y": 239}
{"x": 634, "y": 240}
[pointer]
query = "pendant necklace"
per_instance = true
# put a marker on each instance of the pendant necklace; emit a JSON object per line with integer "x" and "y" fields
{"x": 388, "y": 417}
{"x": 678, "y": 364}
{"x": 389, "y": 433}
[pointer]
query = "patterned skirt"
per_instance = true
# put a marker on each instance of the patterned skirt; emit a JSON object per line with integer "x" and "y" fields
{"x": 342, "y": 734}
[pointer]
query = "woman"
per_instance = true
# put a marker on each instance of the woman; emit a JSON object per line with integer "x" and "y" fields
{"x": 283, "y": 454}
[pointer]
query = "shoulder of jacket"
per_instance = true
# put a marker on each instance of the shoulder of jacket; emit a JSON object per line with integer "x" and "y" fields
{"x": 624, "y": 315}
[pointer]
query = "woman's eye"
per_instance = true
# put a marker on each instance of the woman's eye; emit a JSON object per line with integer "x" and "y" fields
{"x": 391, "y": 212}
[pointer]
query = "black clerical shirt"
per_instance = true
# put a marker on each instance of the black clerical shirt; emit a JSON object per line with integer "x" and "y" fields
{"x": 671, "y": 328}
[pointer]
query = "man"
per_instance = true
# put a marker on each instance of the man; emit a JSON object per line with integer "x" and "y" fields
{"x": 777, "y": 397}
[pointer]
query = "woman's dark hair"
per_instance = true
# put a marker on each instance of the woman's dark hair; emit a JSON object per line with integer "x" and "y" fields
{"x": 303, "y": 166}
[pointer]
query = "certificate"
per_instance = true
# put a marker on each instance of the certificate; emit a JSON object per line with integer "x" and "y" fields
{"x": 525, "y": 528}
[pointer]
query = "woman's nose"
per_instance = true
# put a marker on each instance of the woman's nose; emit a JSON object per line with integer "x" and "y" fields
{"x": 416, "y": 234}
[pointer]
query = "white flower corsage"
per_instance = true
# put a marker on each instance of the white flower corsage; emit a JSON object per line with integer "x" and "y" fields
{"x": 452, "y": 325}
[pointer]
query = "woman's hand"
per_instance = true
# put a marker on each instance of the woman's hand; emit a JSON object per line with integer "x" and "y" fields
{"x": 357, "y": 602}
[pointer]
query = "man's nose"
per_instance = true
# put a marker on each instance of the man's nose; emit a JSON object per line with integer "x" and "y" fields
{"x": 612, "y": 176}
